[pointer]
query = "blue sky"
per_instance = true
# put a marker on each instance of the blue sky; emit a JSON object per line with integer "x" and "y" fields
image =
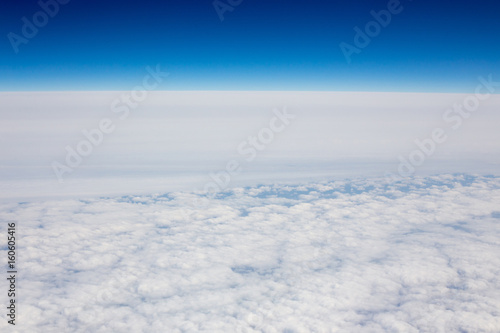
{"x": 260, "y": 45}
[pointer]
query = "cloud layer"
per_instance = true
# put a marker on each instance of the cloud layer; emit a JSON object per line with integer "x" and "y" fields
{"x": 171, "y": 141}
{"x": 352, "y": 256}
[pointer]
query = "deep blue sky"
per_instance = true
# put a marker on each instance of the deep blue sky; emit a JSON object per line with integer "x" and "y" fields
{"x": 434, "y": 46}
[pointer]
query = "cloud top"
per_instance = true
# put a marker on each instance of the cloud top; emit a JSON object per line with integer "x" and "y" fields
{"x": 354, "y": 255}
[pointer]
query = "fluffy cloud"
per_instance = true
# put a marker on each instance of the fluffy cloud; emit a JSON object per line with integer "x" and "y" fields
{"x": 353, "y": 256}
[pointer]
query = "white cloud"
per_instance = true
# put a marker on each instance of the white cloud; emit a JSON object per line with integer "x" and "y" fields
{"x": 173, "y": 140}
{"x": 354, "y": 255}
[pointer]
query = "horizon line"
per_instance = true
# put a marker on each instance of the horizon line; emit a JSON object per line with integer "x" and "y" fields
{"x": 242, "y": 91}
